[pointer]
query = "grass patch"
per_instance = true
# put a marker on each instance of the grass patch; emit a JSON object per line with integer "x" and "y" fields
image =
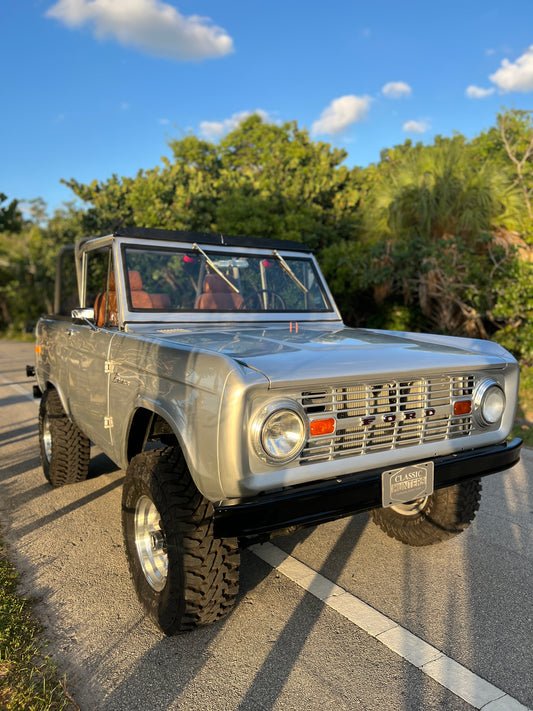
{"x": 525, "y": 432}
{"x": 29, "y": 680}
{"x": 16, "y": 333}
{"x": 524, "y": 416}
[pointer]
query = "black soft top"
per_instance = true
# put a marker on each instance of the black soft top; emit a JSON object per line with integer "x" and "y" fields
{"x": 213, "y": 239}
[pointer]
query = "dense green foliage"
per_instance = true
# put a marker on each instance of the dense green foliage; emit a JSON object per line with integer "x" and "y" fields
{"x": 260, "y": 179}
{"x": 430, "y": 238}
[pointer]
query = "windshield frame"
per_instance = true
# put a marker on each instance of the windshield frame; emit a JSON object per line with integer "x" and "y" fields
{"x": 132, "y": 316}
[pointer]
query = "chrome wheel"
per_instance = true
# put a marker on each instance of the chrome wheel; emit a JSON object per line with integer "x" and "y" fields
{"x": 47, "y": 438}
{"x": 411, "y": 508}
{"x": 150, "y": 543}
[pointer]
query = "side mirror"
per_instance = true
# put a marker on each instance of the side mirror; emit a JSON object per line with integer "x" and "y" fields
{"x": 82, "y": 314}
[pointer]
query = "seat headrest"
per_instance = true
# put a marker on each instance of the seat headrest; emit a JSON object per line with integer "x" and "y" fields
{"x": 136, "y": 283}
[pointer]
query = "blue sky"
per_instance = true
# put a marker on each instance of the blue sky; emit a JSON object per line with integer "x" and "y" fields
{"x": 96, "y": 87}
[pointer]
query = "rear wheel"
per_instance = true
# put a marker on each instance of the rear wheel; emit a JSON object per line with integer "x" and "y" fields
{"x": 65, "y": 451}
{"x": 183, "y": 575}
{"x": 435, "y": 518}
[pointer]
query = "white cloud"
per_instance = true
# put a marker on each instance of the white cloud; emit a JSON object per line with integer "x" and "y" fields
{"x": 214, "y": 129}
{"x": 150, "y": 25}
{"x": 477, "y": 92}
{"x": 515, "y": 76}
{"x": 416, "y": 126}
{"x": 396, "y": 90}
{"x": 341, "y": 113}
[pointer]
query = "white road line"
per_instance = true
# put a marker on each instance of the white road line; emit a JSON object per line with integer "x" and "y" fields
{"x": 478, "y": 692}
{"x": 18, "y": 388}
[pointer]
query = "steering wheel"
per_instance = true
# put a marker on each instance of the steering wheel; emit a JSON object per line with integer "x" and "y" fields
{"x": 266, "y": 298}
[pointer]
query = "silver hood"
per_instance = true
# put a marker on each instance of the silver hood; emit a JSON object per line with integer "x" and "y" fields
{"x": 285, "y": 354}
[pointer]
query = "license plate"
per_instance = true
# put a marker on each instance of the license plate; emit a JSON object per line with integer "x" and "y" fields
{"x": 398, "y": 486}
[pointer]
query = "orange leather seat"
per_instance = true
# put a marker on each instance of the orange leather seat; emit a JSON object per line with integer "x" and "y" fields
{"x": 217, "y": 295}
{"x": 100, "y": 305}
{"x": 139, "y": 299}
{"x": 160, "y": 301}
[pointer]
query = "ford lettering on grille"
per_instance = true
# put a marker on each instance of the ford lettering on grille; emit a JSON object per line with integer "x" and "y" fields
{"x": 372, "y": 417}
{"x": 396, "y": 417}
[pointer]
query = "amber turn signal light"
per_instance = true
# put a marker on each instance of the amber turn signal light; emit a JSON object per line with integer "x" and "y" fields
{"x": 322, "y": 427}
{"x": 463, "y": 407}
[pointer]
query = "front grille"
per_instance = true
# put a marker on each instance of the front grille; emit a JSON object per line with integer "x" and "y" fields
{"x": 372, "y": 417}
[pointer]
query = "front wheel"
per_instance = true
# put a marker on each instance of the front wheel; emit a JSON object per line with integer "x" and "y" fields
{"x": 183, "y": 575}
{"x": 435, "y": 518}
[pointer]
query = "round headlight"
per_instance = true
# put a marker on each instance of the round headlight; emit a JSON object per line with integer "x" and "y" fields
{"x": 279, "y": 433}
{"x": 490, "y": 402}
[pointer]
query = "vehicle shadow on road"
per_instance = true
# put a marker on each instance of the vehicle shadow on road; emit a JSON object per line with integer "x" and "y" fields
{"x": 100, "y": 464}
{"x": 174, "y": 668}
{"x": 499, "y": 570}
{"x": 269, "y": 654}
{"x": 269, "y": 682}
{"x": 79, "y": 503}
{"x": 20, "y": 434}
{"x": 11, "y": 472}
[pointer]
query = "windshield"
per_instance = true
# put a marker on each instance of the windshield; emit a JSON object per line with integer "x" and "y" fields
{"x": 198, "y": 279}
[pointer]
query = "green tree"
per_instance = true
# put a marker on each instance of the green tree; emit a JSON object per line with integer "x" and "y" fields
{"x": 276, "y": 182}
{"x": 261, "y": 179}
{"x": 509, "y": 146}
{"x": 513, "y": 310}
{"x": 10, "y": 216}
{"x": 429, "y": 243}
{"x": 28, "y": 263}
{"x": 430, "y": 238}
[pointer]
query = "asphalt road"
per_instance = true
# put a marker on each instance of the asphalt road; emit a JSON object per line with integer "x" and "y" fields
{"x": 461, "y": 612}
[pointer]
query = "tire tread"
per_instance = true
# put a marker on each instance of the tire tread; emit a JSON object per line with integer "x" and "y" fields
{"x": 71, "y": 450}
{"x": 449, "y": 511}
{"x": 210, "y": 566}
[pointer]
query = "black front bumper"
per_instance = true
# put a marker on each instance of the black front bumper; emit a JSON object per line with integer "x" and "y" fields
{"x": 310, "y": 504}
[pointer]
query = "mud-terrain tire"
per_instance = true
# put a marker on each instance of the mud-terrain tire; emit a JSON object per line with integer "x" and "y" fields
{"x": 183, "y": 575}
{"x": 444, "y": 514}
{"x": 65, "y": 451}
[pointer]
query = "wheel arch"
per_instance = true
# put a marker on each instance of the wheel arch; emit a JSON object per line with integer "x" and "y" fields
{"x": 50, "y": 385}
{"x": 152, "y": 423}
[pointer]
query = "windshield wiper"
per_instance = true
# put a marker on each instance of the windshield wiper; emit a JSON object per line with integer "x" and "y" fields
{"x": 214, "y": 267}
{"x": 289, "y": 272}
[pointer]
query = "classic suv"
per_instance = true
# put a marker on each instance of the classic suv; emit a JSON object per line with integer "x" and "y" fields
{"x": 218, "y": 373}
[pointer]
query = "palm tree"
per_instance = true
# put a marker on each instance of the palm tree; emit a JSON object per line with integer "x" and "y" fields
{"x": 436, "y": 208}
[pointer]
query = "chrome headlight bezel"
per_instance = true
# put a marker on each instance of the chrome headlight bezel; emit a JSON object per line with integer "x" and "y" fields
{"x": 262, "y": 438}
{"x": 489, "y": 403}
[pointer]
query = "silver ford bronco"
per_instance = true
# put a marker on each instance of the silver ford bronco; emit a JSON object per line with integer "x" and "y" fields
{"x": 218, "y": 373}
